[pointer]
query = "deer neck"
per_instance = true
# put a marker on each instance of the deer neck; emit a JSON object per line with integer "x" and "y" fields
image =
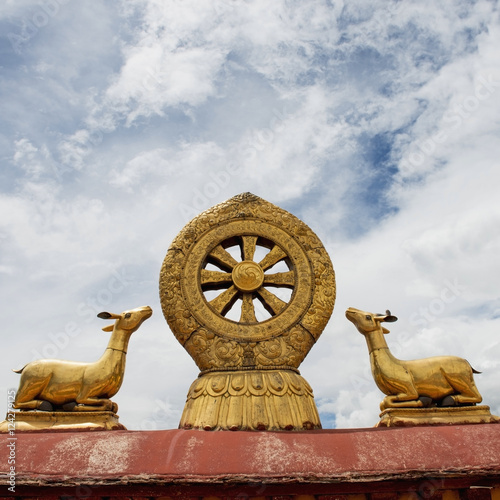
{"x": 376, "y": 341}
{"x": 112, "y": 362}
{"x": 119, "y": 341}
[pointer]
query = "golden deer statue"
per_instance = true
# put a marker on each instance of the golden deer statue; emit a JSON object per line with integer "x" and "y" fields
{"x": 436, "y": 381}
{"x": 72, "y": 386}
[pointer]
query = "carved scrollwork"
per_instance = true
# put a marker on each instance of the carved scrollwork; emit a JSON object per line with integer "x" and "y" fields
{"x": 203, "y": 281}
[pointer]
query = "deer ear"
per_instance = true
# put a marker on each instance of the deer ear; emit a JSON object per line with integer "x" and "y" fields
{"x": 108, "y": 328}
{"x": 389, "y": 317}
{"x": 107, "y": 315}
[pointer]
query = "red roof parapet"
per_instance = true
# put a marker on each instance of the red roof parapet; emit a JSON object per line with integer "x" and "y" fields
{"x": 312, "y": 459}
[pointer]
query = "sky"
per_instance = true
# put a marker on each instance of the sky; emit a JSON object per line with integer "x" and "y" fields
{"x": 374, "y": 122}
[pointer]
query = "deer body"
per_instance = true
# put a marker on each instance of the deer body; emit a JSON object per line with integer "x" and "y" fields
{"x": 83, "y": 386}
{"x": 445, "y": 380}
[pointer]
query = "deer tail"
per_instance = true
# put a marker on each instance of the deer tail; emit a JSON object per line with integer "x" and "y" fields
{"x": 473, "y": 369}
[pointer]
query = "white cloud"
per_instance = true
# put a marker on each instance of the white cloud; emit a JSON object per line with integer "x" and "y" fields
{"x": 153, "y": 79}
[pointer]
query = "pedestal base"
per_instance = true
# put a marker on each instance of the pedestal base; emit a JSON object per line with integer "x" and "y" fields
{"x": 407, "y": 417}
{"x": 272, "y": 400}
{"x": 42, "y": 421}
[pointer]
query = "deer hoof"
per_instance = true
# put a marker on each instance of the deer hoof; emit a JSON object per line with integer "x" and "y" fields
{"x": 69, "y": 406}
{"x": 45, "y": 406}
{"x": 426, "y": 401}
{"x": 448, "y": 401}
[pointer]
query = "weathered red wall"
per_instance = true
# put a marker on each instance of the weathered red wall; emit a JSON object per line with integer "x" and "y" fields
{"x": 260, "y": 464}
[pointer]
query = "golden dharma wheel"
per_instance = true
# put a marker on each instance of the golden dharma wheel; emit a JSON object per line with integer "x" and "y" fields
{"x": 246, "y": 286}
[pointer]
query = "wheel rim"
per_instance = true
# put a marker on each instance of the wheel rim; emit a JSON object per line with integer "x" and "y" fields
{"x": 248, "y": 252}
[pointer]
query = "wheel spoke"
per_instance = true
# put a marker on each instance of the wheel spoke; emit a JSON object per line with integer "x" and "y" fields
{"x": 221, "y": 257}
{"x": 274, "y": 256}
{"x": 214, "y": 280}
{"x": 280, "y": 279}
{"x": 249, "y": 244}
{"x": 223, "y": 302}
{"x": 247, "y": 309}
{"x": 273, "y": 304}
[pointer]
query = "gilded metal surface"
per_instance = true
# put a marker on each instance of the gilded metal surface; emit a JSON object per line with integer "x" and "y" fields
{"x": 48, "y": 384}
{"x": 246, "y": 286}
{"x": 253, "y": 400}
{"x": 437, "y": 381}
{"x": 247, "y": 277}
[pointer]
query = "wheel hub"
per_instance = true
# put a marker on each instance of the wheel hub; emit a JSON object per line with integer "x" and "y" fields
{"x": 248, "y": 276}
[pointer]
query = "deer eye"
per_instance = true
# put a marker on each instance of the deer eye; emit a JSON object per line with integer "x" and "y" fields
{"x": 127, "y": 315}
{"x": 368, "y": 316}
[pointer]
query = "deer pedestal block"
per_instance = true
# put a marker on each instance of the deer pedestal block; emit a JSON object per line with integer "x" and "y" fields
{"x": 43, "y": 421}
{"x": 408, "y": 417}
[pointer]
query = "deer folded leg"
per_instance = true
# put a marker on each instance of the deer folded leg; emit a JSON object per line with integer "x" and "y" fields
{"x": 407, "y": 399}
{"x": 28, "y": 396}
{"x": 35, "y": 404}
{"x": 93, "y": 404}
{"x": 467, "y": 393}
